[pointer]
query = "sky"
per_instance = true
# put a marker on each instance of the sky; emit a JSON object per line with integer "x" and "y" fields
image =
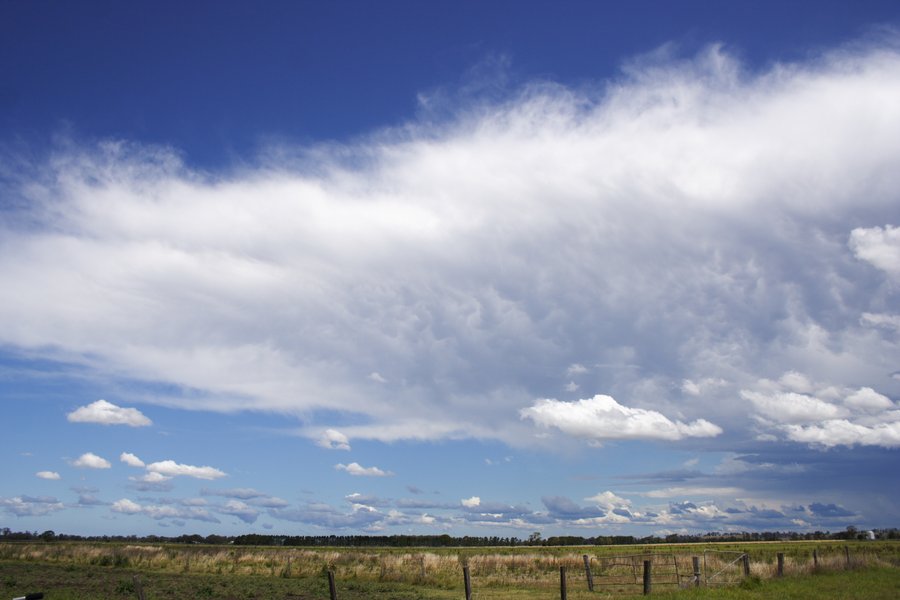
{"x": 475, "y": 268}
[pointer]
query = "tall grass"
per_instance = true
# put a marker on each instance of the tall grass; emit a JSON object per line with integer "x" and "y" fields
{"x": 493, "y": 568}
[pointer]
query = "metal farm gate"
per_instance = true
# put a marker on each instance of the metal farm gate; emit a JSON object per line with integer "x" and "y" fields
{"x": 624, "y": 573}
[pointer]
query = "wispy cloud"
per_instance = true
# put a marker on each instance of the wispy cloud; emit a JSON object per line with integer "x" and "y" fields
{"x": 359, "y": 471}
{"x": 169, "y": 468}
{"x": 51, "y": 475}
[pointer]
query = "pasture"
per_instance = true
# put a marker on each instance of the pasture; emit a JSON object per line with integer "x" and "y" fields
{"x": 82, "y": 571}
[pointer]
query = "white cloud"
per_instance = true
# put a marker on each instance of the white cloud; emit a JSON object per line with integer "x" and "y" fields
{"x": 841, "y": 432}
{"x": 608, "y": 501}
{"x": 357, "y": 470}
{"x": 878, "y": 246}
{"x": 602, "y": 418}
{"x": 556, "y": 228}
{"x": 472, "y": 502}
{"x": 790, "y": 407}
{"x": 131, "y": 460}
{"x": 126, "y": 506}
{"x": 170, "y": 468}
{"x": 52, "y": 475}
{"x": 572, "y": 387}
{"x": 830, "y": 417}
{"x": 129, "y": 507}
{"x": 334, "y": 440}
{"x": 151, "y": 477}
{"x": 89, "y": 460}
{"x": 107, "y": 413}
{"x": 867, "y": 399}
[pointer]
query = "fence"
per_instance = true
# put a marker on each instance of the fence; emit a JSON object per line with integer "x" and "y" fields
{"x": 575, "y": 574}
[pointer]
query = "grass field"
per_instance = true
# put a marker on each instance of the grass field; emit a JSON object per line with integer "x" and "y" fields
{"x": 82, "y": 571}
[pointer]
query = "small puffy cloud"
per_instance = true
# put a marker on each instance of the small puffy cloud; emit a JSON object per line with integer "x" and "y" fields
{"x": 576, "y": 369}
{"x": 608, "y": 501}
{"x": 333, "y": 440}
{"x": 879, "y": 247}
{"x": 89, "y": 460}
{"x": 107, "y": 413}
{"x": 572, "y": 387}
{"x": 791, "y": 407}
{"x": 868, "y": 400}
{"x": 377, "y": 377}
{"x": 472, "y": 502}
{"x": 602, "y": 418}
{"x": 170, "y": 468}
{"x": 358, "y": 470}
{"x": 696, "y": 388}
{"x": 126, "y": 506}
{"x": 52, "y": 475}
{"x": 131, "y": 460}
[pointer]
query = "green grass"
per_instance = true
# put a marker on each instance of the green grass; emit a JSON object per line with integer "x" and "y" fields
{"x": 73, "y": 571}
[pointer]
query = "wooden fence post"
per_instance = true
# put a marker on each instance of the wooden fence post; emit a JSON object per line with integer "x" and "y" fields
{"x": 847, "y": 552}
{"x": 562, "y": 582}
{"x": 468, "y": 582}
{"x": 138, "y": 587}
{"x": 648, "y": 578}
{"x": 587, "y": 571}
{"x": 815, "y": 558}
{"x": 746, "y": 560}
{"x": 332, "y": 588}
{"x": 695, "y": 560}
{"x": 780, "y": 572}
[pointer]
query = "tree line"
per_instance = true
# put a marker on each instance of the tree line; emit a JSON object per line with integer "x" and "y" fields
{"x": 445, "y": 540}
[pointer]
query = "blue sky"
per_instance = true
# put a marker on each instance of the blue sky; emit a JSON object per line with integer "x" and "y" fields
{"x": 449, "y": 267}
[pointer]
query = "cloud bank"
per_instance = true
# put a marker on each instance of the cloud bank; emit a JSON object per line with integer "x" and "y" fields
{"x": 666, "y": 239}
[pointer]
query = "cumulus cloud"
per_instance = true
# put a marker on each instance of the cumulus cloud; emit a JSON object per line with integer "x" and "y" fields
{"x": 334, "y": 440}
{"x": 169, "y": 468}
{"x": 89, "y": 460}
{"x": 131, "y": 460}
{"x": 159, "y": 512}
{"x": 357, "y": 470}
{"x": 472, "y": 502}
{"x": 479, "y": 259}
{"x": 107, "y": 413}
{"x": 52, "y": 475}
{"x": 30, "y": 506}
{"x": 827, "y": 416}
{"x": 602, "y": 418}
{"x": 879, "y": 247}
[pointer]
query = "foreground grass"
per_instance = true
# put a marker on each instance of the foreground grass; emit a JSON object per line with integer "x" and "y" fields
{"x": 87, "y": 582}
{"x": 870, "y": 584}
